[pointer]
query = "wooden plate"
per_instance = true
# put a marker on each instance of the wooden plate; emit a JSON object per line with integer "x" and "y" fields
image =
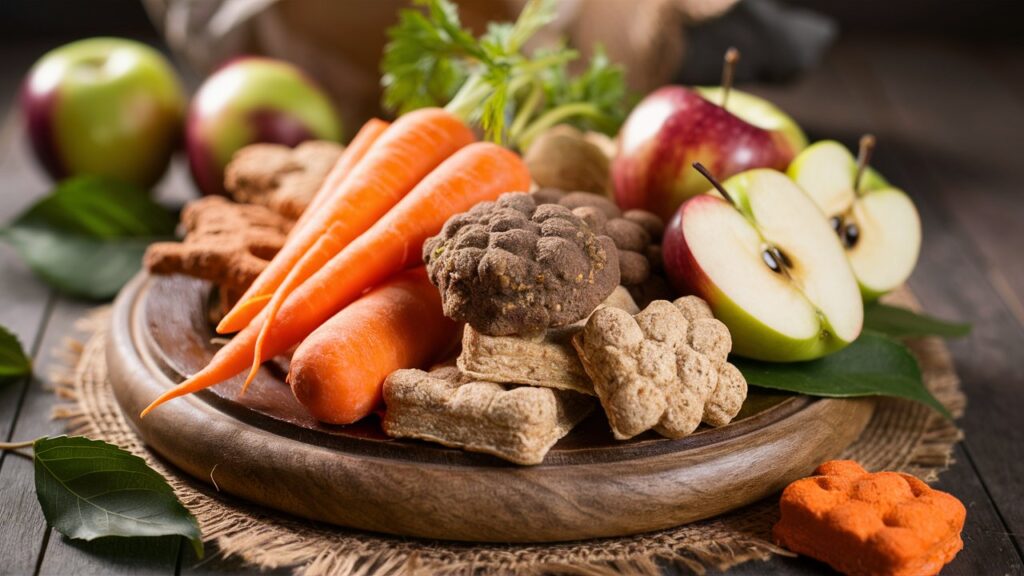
{"x": 264, "y": 448}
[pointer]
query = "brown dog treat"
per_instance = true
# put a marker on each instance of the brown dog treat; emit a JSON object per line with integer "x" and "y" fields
{"x": 632, "y": 236}
{"x": 574, "y": 200}
{"x": 548, "y": 360}
{"x": 663, "y": 369}
{"x": 519, "y": 424}
{"x": 226, "y": 243}
{"x": 656, "y": 287}
{"x": 627, "y": 235}
{"x": 281, "y": 178}
{"x": 633, "y": 268}
{"x": 649, "y": 221}
{"x": 513, "y": 267}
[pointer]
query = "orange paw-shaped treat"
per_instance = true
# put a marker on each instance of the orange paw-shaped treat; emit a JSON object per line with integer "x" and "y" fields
{"x": 872, "y": 524}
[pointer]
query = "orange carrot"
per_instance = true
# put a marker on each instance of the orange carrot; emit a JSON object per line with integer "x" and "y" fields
{"x": 402, "y": 156}
{"x": 353, "y": 153}
{"x": 338, "y": 371}
{"x": 477, "y": 173}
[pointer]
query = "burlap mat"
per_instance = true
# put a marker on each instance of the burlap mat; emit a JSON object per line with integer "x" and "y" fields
{"x": 902, "y": 435}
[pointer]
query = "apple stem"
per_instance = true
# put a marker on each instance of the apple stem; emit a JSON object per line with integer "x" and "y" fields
{"x": 714, "y": 182}
{"x": 867, "y": 146}
{"x": 732, "y": 56}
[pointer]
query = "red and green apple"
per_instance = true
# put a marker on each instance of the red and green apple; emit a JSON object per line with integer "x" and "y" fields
{"x": 106, "y": 107}
{"x": 674, "y": 127}
{"x": 250, "y": 100}
{"x": 765, "y": 259}
{"x": 877, "y": 223}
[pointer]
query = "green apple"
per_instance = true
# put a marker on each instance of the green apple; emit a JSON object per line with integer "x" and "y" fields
{"x": 767, "y": 262}
{"x": 876, "y": 222}
{"x": 249, "y": 100}
{"x": 104, "y": 106}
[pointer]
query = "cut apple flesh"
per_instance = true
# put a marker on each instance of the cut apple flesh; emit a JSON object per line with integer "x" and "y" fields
{"x": 889, "y": 243}
{"x": 809, "y": 308}
{"x": 880, "y": 227}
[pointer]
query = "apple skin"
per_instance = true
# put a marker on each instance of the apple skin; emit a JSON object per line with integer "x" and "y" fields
{"x": 751, "y": 337}
{"x": 106, "y": 107}
{"x": 674, "y": 126}
{"x": 249, "y": 100}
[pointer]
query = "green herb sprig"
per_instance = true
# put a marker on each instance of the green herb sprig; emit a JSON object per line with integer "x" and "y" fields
{"x": 432, "y": 60}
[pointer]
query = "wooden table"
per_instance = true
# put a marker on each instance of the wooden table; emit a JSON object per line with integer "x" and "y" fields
{"x": 950, "y": 125}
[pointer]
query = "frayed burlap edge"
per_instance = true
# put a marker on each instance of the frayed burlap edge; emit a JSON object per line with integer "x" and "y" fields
{"x": 902, "y": 435}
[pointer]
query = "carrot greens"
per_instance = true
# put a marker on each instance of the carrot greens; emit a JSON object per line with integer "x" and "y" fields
{"x": 433, "y": 60}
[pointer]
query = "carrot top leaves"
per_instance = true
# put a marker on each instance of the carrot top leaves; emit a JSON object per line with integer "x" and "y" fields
{"x": 432, "y": 60}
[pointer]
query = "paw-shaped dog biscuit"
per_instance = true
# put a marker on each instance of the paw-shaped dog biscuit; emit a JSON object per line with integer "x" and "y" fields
{"x": 865, "y": 524}
{"x": 664, "y": 368}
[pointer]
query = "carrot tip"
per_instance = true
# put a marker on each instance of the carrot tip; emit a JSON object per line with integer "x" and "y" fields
{"x": 242, "y": 312}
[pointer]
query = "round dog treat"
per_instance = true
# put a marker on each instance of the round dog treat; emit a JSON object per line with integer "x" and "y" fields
{"x": 513, "y": 267}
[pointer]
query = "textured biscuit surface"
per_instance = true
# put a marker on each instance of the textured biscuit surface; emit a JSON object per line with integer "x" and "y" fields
{"x": 225, "y": 242}
{"x": 547, "y": 360}
{"x": 664, "y": 368}
{"x": 862, "y": 523}
{"x": 281, "y": 178}
{"x": 519, "y": 424}
{"x": 513, "y": 267}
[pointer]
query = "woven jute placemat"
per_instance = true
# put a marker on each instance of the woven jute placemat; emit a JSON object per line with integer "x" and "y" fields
{"x": 902, "y": 435}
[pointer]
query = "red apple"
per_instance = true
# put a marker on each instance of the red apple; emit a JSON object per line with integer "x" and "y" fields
{"x": 252, "y": 100}
{"x": 674, "y": 127}
{"x": 103, "y": 106}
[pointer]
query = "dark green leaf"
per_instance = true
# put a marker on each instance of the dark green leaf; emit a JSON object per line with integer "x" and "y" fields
{"x": 873, "y": 365}
{"x": 90, "y": 489}
{"x": 13, "y": 360}
{"x": 902, "y": 323}
{"x": 87, "y": 238}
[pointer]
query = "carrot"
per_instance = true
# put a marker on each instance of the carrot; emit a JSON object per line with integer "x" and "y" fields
{"x": 354, "y": 152}
{"x": 338, "y": 371}
{"x": 478, "y": 172}
{"x": 402, "y": 156}
{"x": 258, "y": 294}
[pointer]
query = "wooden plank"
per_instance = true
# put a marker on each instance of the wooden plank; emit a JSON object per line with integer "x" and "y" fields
{"x": 21, "y": 541}
{"x": 963, "y": 269}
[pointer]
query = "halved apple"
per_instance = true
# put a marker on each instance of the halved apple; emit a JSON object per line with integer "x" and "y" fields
{"x": 877, "y": 223}
{"x": 769, "y": 265}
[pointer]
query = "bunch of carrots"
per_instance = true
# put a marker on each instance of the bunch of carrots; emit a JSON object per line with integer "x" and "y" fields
{"x": 348, "y": 283}
{"x": 393, "y": 187}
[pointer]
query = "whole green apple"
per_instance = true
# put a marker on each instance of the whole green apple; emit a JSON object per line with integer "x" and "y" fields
{"x": 673, "y": 127}
{"x": 250, "y": 100}
{"x": 106, "y": 107}
{"x": 769, "y": 265}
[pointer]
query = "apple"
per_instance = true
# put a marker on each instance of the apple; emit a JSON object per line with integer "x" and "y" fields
{"x": 250, "y": 100}
{"x": 876, "y": 222}
{"x": 764, "y": 257}
{"x": 106, "y": 107}
{"x": 675, "y": 126}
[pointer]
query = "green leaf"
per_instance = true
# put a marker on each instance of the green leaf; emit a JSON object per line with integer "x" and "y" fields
{"x": 873, "y": 365}
{"x": 13, "y": 360}
{"x": 903, "y": 323}
{"x": 87, "y": 237}
{"x": 90, "y": 489}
